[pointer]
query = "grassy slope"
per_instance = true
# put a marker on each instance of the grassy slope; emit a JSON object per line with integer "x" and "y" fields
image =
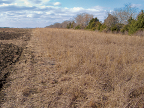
{"x": 74, "y": 68}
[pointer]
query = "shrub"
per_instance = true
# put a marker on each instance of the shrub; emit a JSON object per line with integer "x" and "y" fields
{"x": 102, "y": 27}
{"x": 137, "y": 24}
{"x": 124, "y": 28}
{"x": 98, "y": 27}
{"x": 72, "y": 25}
{"x": 114, "y": 28}
{"x": 140, "y": 20}
{"x": 78, "y": 27}
{"x": 92, "y": 24}
{"x": 133, "y": 27}
{"x": 68, "y": 26}
{"x": 94, "y": 28}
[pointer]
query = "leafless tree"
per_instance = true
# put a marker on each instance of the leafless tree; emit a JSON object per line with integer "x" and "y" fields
{"x": 124, "y": 14}
{"x": 83, "y": 19}
{"x": 57, "y": 25}
{"x": 64, "y": 24}
{"x": 111, "y": 20}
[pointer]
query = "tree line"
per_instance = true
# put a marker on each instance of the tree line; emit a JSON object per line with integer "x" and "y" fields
{"x": 124, "y": 20}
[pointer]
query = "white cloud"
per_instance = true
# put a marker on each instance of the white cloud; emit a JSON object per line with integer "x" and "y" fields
{"x": 50, "y": 12}
{"x": 98, "y": 8}
{"x": 26, "y": 2}
{"x": 40, "y": 13}
{"x": 94, "y": 10}
{"x": 76, "y": 9}
{"x": 23, "y": 3}
{"x": 57, "y": 3}
{"x": 136, "y": 5}
{"x": 45, "y": 2}
{"x": 66, "y": 8}
{"x": 29, "y": 15}
{"x": 8, "y": 4}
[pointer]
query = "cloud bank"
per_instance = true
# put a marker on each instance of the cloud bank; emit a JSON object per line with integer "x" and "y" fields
{"x": 37, "y": 13}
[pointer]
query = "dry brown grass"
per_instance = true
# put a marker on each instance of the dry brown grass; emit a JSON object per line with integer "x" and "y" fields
{"x": 79, "y": 69}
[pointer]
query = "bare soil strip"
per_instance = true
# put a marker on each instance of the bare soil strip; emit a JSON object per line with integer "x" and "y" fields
{"x": 12, "y": 43}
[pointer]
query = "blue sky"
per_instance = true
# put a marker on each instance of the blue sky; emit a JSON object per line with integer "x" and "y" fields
{"x": 41, "y": 13}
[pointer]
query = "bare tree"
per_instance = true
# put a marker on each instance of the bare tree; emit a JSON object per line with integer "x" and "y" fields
{"x": 50, "y": 26}
{"x": 83, "y": 19}
{"x": 57, "y": 25}
{"x": 111, "y": 20}
{"x": 79, "y": 19}
{"x": 64, "y": 24}
{"x": 124, "y": 14}
{"x": 73, "y": 24}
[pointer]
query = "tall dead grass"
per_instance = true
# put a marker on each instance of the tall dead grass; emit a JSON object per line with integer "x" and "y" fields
{"x": 90, "y": 70}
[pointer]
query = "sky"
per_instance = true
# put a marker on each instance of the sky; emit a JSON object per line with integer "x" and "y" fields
{"x": 42, "y": 13}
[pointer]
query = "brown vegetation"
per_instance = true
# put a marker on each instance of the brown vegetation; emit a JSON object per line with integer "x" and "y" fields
{"x": 12, "y": 43}
{"x": 63, "y": 68}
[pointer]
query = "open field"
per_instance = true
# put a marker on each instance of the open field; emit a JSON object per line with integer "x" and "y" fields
{"x": 61, "y": 68}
